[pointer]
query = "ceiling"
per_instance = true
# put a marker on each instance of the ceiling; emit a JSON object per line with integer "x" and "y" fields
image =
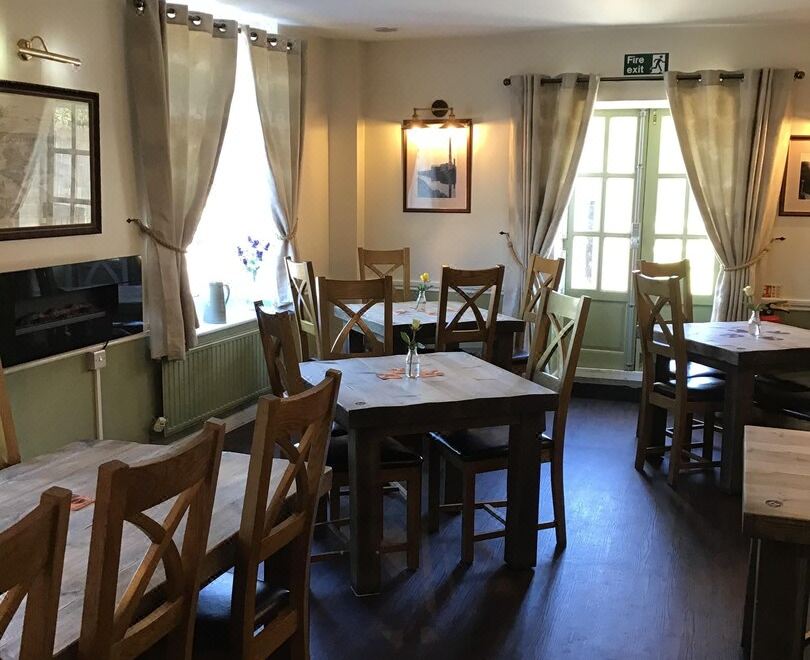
{"x": 436, "y": 18}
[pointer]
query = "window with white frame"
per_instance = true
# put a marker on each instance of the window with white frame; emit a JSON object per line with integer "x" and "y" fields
{"x": 237, "y": 214}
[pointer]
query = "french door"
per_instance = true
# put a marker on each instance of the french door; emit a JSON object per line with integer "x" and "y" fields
{"x": 631, "y": 200}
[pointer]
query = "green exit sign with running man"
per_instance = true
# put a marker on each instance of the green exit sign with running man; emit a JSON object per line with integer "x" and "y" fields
{"x": 646, "y": 64}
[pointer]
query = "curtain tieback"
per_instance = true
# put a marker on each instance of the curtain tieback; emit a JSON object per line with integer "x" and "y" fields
{"x": 511, "y": 247}
{"x": 290, "y": 235}
{"x": 157, "y": 239}
{"x": 755, "y": 259}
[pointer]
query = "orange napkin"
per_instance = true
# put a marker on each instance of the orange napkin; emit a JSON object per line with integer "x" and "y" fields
{"x": 397, "y": 373}
{"x": 78, "y": 502}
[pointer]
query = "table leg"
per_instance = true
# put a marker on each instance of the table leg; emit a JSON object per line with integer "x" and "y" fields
{"x": 739, "y": 400}
{"x": 365, "y": 507}
{"x": 523, "y": 492}
{"x": 750, "y": 588}
{"x": 502, "y": 350}
{"x": 780, "y": 602}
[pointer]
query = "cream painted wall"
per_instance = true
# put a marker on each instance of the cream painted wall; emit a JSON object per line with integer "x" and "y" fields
{"x": 467, "y": 72}
{"x": 93, "y": 31}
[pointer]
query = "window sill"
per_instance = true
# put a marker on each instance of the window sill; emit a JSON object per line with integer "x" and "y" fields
{"x": 235, "y": 316}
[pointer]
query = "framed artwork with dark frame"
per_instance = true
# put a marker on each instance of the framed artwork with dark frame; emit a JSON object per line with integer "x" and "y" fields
{"x": 436, "y": 166}
{"x": 50, "y": 164}
{"x": 795, "y": 199}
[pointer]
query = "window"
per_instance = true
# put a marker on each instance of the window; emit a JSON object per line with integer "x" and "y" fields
{"x": 238, "y": 208}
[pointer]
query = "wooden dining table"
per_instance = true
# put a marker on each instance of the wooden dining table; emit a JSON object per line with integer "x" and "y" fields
{"x": 404, "y": 313}
{"x": 776, "y": 515}
{"x": 728, "y": 346}
{"x": 75, "y": 467}
{"x": 470, "y": 393}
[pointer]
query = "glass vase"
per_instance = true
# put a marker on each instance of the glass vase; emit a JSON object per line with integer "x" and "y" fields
{"x": 421, "y": 301}
{"x": 412, "y": 367}
{"x": 754, "y": 324}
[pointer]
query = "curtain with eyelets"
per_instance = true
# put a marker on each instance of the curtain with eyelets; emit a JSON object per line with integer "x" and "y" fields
{"x": 734, "y": 135}
{"x": 549, "y": 122}
{"x": 181, "y": 68}
{"x": 278, "y": 75}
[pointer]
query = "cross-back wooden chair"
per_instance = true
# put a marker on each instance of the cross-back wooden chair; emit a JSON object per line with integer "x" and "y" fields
{"x": 9, "y": 450}
{"x": 128, "y": 627}
{"x": 383, "y": 263}
{"x": 541, "y": 274}
{"x": 660, "y": 322}
{"x": 458, "y": 329}
{"x": 337, "y": 295}
{"x": 397, "y": 462}
{"x": 553, "y": 358}
{"x": 679, "y": 269}
{"x": 302, "y": 288}
{"x": 33, "y": 552}
{"x": 275, "y": 533}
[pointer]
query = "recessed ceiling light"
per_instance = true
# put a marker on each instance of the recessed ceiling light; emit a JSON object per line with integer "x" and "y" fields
{"x": 385, "y": 29}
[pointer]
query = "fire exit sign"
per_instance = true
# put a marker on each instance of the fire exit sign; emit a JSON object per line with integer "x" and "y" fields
{"x": 645, "y": 64}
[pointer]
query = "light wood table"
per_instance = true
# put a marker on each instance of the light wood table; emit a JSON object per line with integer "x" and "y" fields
{"x": 75, "y": 467}
{"x": 776, "y": 514}
{"x": 729, "y": 347}
{"x": 471, "y": 394}
{"x": 405, "y": 312}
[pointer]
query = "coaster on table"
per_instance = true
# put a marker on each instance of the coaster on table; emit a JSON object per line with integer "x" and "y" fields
{"x": 78, "y": 502}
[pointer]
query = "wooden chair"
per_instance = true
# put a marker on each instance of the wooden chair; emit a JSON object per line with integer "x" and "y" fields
{"x": 10, "y": 454}
{"x": 337, "y": 295}
{"x": 302, "y": 288}
{"x": 559, "y": 328}
{"x": 397, "y": 462}
{"x": 660, "y": 321}
{"x": 541, "y": 274}
{"x": 241, "y": 615}
{"x": 130, "y": 626}
{"x": 383, "y": 263}
{"x": 33, "y": 552}
{"x": 448, "y": 333}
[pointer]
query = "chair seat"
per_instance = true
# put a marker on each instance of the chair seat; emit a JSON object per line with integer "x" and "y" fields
{"x": 699, "y": 388}
{"x": 695, "y": 369}
{"x": 393, "y": 454}
{"x": 788, "y": 392}
{"x": 480, "y": 444}
{"x": 520, "y": 357}
{"x": 214, "y": 611}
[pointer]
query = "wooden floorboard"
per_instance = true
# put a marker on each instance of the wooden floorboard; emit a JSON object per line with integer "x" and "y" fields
{"x": 648, "y": 572}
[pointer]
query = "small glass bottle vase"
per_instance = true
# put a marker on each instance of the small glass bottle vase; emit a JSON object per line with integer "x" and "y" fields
{"x": 754, "y": 324}
{"x": 412, "y": 367}
{"x": 421, "y": 301}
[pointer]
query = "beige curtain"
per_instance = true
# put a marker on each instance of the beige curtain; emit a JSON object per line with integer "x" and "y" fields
{"x": 734, "y": 136}
{"x": 278, "y": 74}
{"x": 549, "y": 124}
{"x": 181, "y": 67}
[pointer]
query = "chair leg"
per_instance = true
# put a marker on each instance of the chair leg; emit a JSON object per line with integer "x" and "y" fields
{"x": 468, "y": 516}
{"x": 321, "y": 514}
{"x": 708, "y": 436}
{"x": 414, "y": 523}
{"x": 644, "y": 432}
{"x": 681, "y": 432}
{"x": 558, "y": 498}
{"x": 334, "y": 502}
{"x": 434, "y": 486}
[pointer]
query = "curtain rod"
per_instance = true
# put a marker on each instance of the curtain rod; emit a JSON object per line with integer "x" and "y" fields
{"x": 798, "y": 75}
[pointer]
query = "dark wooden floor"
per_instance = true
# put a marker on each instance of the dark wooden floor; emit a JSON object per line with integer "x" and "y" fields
{"x": 648, "y": 572}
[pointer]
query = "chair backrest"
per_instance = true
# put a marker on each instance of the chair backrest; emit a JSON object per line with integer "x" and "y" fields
{"x": 541, "y": 274}
{"x": 660, "y": 322}
{"x": 112, "y": 628}
{"x": 382, "y": 263}
{"x": 277, "y": 331}
{"x": 9, "y": 450}
{"x": 33, "y": 552}
{"x": 277, "y": 531}
{"x": 337, "y": 295}
{"x": 302, "y": 288}
{"x": 554, "y": 353}
{"x": 680, "y": 269}
{"x": 476, "y": 327}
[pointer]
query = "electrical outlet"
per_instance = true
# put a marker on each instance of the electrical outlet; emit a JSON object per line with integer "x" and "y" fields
{"x": 97, "y": 360}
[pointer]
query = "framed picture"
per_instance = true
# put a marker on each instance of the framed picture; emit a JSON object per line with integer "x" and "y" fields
{"x": 795, "y": 198}
{"x": 436, "y": 166}
{"x": 50, "y": 170}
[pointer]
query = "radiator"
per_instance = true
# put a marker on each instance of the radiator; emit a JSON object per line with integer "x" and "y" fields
{"x": 214, "y": 379}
